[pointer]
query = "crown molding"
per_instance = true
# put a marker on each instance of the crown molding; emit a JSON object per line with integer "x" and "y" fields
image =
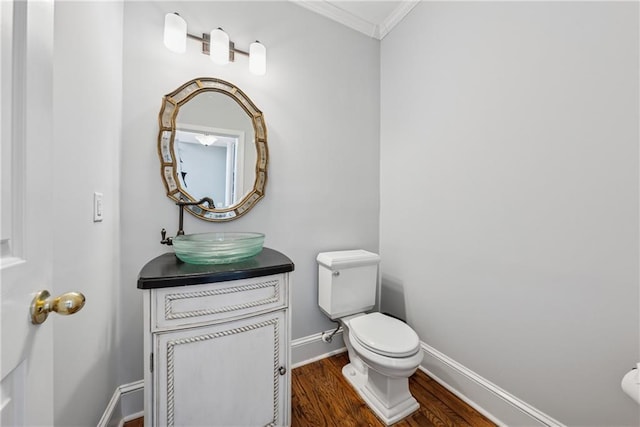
{"x": 343, "y": 17}
{"x": 376, "y": 31}
{"x": 395, "y": 17}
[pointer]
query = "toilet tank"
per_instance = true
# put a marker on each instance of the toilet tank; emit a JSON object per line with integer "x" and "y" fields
{"x": 347, "y": 282}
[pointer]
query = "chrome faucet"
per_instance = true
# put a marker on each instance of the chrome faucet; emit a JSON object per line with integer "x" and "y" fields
{"x": 169, "y": 240}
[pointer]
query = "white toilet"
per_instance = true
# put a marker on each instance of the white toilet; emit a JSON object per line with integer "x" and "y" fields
{"x": 383, "y": 351}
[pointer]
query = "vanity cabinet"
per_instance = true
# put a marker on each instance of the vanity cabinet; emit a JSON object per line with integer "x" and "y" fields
{"x": 217, "y": 342}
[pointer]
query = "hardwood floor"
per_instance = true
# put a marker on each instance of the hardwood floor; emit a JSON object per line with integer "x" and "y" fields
{"x": 322, "y": 397}
{"x": 138, "y": 422}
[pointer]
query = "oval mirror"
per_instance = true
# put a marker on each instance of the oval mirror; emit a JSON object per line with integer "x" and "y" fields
{"x": 213, "y": 143}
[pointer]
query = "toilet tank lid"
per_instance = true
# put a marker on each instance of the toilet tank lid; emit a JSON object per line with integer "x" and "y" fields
{"x": 346, "y": 259}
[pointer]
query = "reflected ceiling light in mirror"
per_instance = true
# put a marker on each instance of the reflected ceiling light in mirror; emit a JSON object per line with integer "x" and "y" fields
{"x": 216, "y": 44}
{"x": 175, "y": 33}
{"x": 206, "y": 140}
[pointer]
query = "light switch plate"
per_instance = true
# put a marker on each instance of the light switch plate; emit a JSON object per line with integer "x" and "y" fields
{"x": 97, "y": 207}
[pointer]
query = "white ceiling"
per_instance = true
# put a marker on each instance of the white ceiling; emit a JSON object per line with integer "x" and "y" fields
{"x": 374, "y": 18}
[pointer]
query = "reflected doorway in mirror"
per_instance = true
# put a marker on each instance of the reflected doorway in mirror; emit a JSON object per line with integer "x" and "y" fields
{"x": 211, "y": 163}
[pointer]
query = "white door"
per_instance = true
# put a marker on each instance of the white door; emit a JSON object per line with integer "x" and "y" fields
{"x": 26, "y": 363}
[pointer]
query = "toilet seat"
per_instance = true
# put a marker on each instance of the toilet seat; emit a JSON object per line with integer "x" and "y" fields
{"x": 384, "y": 335}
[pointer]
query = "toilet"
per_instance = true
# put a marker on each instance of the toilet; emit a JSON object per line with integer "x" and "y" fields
{"x": 383, "y": 351}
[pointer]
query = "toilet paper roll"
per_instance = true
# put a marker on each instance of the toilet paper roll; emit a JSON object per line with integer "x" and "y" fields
{"x": 631, "y": 385}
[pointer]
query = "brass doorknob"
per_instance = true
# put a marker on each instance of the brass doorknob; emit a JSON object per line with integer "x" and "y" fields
{"x": 65, "y": 304}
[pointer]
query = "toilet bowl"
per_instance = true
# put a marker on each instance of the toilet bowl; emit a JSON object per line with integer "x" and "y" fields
{"x": 383, "y": 351}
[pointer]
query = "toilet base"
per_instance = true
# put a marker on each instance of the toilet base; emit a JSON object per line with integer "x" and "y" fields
{"x": 355, "y": 376}
{"x": 389, "y": 398}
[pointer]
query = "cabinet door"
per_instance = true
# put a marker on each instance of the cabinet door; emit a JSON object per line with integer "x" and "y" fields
{"x": 229, "y": 374}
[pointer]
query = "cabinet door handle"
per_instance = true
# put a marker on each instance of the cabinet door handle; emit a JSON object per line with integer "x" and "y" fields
{"x": 282, "y": 370}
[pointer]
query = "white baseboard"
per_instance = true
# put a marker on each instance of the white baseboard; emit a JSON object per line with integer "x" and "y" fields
{"x": 311, "y": 348}
{"x": 497, "y": 404}
{"x": 487, "y": 398}
{"x": 126, "y": 404}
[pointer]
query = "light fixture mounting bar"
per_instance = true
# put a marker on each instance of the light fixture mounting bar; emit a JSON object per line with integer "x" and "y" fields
{"x": 205, "y": 46}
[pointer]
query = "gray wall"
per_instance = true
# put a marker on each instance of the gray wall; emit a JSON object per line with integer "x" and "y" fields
{"x": 509, "y": 195}
{"x": 87, "y": 95}
{"x": 320, "y": 98}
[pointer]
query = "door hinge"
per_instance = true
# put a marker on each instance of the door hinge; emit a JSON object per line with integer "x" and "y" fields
{"x": 151, "y": 362}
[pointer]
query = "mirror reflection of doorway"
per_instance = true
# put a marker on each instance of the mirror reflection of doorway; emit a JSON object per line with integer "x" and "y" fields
{"x": 211, "y": 163}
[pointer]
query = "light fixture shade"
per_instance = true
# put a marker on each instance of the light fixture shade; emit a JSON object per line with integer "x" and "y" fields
{"x": 175, "y": 33}
{"x": 219, "y": 46}
{"x": 257, "y": 58}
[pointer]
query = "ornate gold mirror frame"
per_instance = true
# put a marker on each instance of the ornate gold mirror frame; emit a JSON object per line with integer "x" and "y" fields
{"x": 171, "y": 104}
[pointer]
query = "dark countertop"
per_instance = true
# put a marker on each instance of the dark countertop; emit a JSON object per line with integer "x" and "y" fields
{"x": 167, "y": 270}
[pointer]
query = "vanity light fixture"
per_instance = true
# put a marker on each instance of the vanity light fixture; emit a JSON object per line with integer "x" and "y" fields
{"x": 175, "y": 33}
{"x": 257, "y": 58}
{"x": 216, "y": 44}
{"x": 219, "y": 46}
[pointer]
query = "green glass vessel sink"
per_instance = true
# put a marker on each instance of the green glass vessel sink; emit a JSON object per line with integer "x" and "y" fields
{"x": 217, "y": 248}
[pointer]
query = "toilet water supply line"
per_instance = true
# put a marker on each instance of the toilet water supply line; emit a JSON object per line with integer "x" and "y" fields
{"x": 328, "y": 337}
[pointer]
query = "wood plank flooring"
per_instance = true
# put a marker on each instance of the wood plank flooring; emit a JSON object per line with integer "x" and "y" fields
{"x": 138, "y": 422}
{"x": 322, "y": 397}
